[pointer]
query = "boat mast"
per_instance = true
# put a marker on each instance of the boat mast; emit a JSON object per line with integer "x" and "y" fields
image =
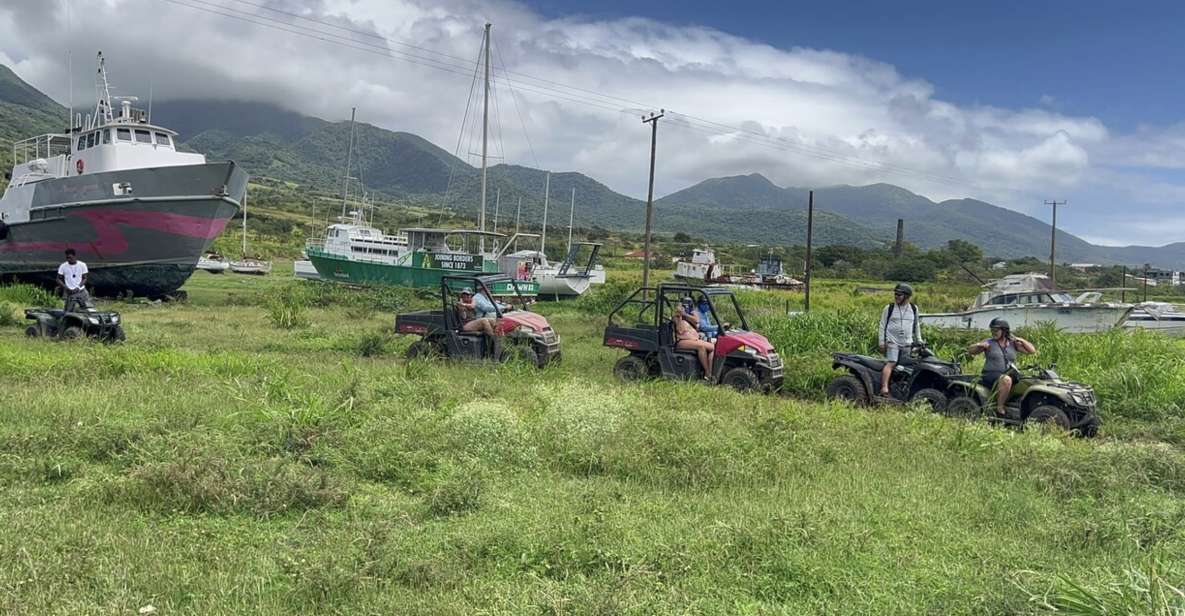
{"x": 497, "y": 205}
{"x": 349, "y": 157}
{"x": 546, "y": 194}
{"x": 485, "y": 126}
{"x": 571, "y": 217}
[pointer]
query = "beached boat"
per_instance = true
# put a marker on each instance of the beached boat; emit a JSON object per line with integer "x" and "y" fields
{"x": 1029, "y": 299}
{"x": 116, "y": 188}
{"x": 1162, "y": 317}
{"x": 213, "y": 262}
{"x": 303, "y": 269}
{"x": 701, "y": 267}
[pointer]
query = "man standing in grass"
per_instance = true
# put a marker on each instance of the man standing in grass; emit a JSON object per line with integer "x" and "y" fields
{"x": 72, "y": 280}
{"x": 899, "y": 329}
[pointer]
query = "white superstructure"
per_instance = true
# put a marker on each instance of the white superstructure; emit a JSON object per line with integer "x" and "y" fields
{"x": 104, "y": 141}
{"x": 356, "y": 240}
{"x": 702, "y": 265}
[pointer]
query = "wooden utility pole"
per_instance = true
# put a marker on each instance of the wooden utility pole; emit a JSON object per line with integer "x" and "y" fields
{"x": 1053, "y": 243}
{"x": 900, "y": 244}
{"x": 349, "y": 160}
{"x": 810, "y": 227}
{"x": 653, "y": 121}
{"x": 1123, "y": 286}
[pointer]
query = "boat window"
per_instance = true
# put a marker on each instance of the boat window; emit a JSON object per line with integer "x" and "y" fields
{"x": 143, "y": 136}
{"x": 162, "y": 139}
{"x": 123, "y": 134}
{"x": 81, "y": 143}
{"x": 90, "y": 140}
{"x": 106, "y": 136}
{"x": 1003, "y": 300}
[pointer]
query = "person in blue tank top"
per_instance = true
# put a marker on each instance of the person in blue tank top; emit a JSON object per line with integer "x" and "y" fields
{"x": 1000, "y": 352}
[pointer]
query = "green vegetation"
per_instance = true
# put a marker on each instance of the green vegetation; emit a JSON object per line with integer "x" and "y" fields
{"x": 217, "y": 463}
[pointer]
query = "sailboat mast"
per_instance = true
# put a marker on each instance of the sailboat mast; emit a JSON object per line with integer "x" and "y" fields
{"x": 571, "y": 217}
{"x": 349, "y": 160}
{"x": 485, "y": 129}
{"x": 497, "y": 205}
{"x": 546, "y": 195}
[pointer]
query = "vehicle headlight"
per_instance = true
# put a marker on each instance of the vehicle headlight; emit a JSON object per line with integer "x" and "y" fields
{"x": 115, "y": 318}
{"x": 748, "y": 349}
{"x": 93, "y": 320}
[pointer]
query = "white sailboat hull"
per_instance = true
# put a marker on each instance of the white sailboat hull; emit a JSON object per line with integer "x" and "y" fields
{"x": 1074, "y": 319}
{"x": 693, "y": 271}
{"x": 568, "y": 286}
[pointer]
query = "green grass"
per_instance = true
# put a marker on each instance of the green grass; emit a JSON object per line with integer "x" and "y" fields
{"x": 219, "y": 464}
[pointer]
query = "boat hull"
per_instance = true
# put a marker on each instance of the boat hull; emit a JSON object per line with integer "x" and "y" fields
{"x": 1073, "y": 319}
{"x": 147, "y": 243}
{"x": 564, "y": 286}
{"x": 333, "y": 267}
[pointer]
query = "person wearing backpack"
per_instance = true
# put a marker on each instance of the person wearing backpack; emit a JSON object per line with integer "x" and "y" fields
{"x": 899, "y": 329}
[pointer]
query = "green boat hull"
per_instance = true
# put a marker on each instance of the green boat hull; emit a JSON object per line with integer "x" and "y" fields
{"x": 340, "y": 269}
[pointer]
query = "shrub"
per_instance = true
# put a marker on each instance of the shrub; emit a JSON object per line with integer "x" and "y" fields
{"x": 27, "y": 295}
{"x": 458, "y": 489}
{"x": 9, "y": 315}
{"x": 373, "y": 344}
{"x": 285, "y": 308}
{"x": 579, "y": 425}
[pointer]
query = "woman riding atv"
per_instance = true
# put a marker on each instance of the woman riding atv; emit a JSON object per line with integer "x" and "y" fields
{"x": 1000, "y": 350}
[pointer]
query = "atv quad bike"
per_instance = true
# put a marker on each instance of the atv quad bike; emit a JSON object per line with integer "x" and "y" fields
{"x": 524, "y": 334}
{"x": 641, "y": 324}
{"x": 1039, "y": 396}
{"x": 919, "y": 375}
{"x": 87, "y": 322}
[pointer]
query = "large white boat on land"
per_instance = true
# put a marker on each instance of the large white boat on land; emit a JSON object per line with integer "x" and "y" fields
{"x": 567, "y": 278}
{"x": 1029, "y": 299}
{"x": 116, "y": 188}
{"x": 1162, "y": 317}
{"x": 702, "y": 267}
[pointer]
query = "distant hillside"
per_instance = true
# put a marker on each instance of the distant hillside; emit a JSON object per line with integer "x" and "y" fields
{"x": 270, "y": 141}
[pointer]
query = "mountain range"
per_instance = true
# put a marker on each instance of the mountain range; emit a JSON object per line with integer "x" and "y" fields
{"x": 270, "y": 141}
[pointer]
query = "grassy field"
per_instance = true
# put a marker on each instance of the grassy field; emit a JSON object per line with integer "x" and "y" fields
{"x": 265, "y": 449}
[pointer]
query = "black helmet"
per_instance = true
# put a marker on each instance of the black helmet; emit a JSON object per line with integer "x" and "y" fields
{"x": 903, "y": 288}
{"x": 999, "y": 323}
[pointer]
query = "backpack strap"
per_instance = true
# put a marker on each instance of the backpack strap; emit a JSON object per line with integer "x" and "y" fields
{"x": 888, "y": 317}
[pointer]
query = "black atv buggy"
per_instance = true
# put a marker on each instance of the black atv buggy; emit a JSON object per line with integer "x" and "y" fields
{"x": 86, "y": 322}
{"x": 1038, "y": 397}
{"x": 524, "y": 334}
{"x": 742, "y": 359}
{"x": 919, "y": 375}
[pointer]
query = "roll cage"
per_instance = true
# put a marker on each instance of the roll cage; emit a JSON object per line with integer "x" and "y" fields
{"x": 655, "y": 305}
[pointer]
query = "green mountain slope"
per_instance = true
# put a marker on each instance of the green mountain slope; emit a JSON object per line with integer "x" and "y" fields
{"x": 285, "y": 145}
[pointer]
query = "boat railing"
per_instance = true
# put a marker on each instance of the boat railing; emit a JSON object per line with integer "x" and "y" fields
{"x": 42, "y": 146}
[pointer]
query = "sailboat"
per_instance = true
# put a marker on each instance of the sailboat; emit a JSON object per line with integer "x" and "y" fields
{"x": 249, "y": 265}
{"x": 355, "y": 252}
{"x": 567, "y": 278}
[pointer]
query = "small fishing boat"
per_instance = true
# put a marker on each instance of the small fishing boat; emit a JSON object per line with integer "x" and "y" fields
{"x": 212, "y": 262}
{"x": 248, "y": 265}
{"x": 1029, "y": 299}
{"x": 1162, "y": 317}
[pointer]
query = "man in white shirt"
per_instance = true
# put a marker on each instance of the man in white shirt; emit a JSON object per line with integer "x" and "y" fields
{"x": 72, "y": 280}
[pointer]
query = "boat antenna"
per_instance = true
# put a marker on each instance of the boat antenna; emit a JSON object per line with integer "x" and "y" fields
{"x": 69, "y": 73}
{"x": 546, "y": 195}
{"x": 349, "y": 156}
{"x": 150, "y": 99}
{"x": 485, "y": 129}
{"x": 571, "y": 217}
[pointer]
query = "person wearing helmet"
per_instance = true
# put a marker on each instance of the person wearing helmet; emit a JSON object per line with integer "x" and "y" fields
{"x": 999, "y": 353}
{"x": 899, "y": 329}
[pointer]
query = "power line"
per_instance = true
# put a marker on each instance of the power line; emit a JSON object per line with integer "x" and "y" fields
{"x": 601, "y": 101}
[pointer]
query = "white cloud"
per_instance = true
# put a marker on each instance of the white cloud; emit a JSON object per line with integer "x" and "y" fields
{"x": 833, "y": 117}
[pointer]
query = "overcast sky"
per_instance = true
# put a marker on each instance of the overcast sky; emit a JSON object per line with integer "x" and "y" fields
{"x": 818, "y": 102}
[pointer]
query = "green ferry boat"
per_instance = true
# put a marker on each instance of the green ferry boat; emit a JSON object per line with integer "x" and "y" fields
{"x": 356, "y": 253}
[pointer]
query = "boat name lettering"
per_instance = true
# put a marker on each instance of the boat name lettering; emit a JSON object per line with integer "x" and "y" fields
{"x": 453, "y": 261}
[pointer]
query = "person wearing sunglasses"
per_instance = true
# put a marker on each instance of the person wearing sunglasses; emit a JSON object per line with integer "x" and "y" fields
{"x": 899, "y": 329}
